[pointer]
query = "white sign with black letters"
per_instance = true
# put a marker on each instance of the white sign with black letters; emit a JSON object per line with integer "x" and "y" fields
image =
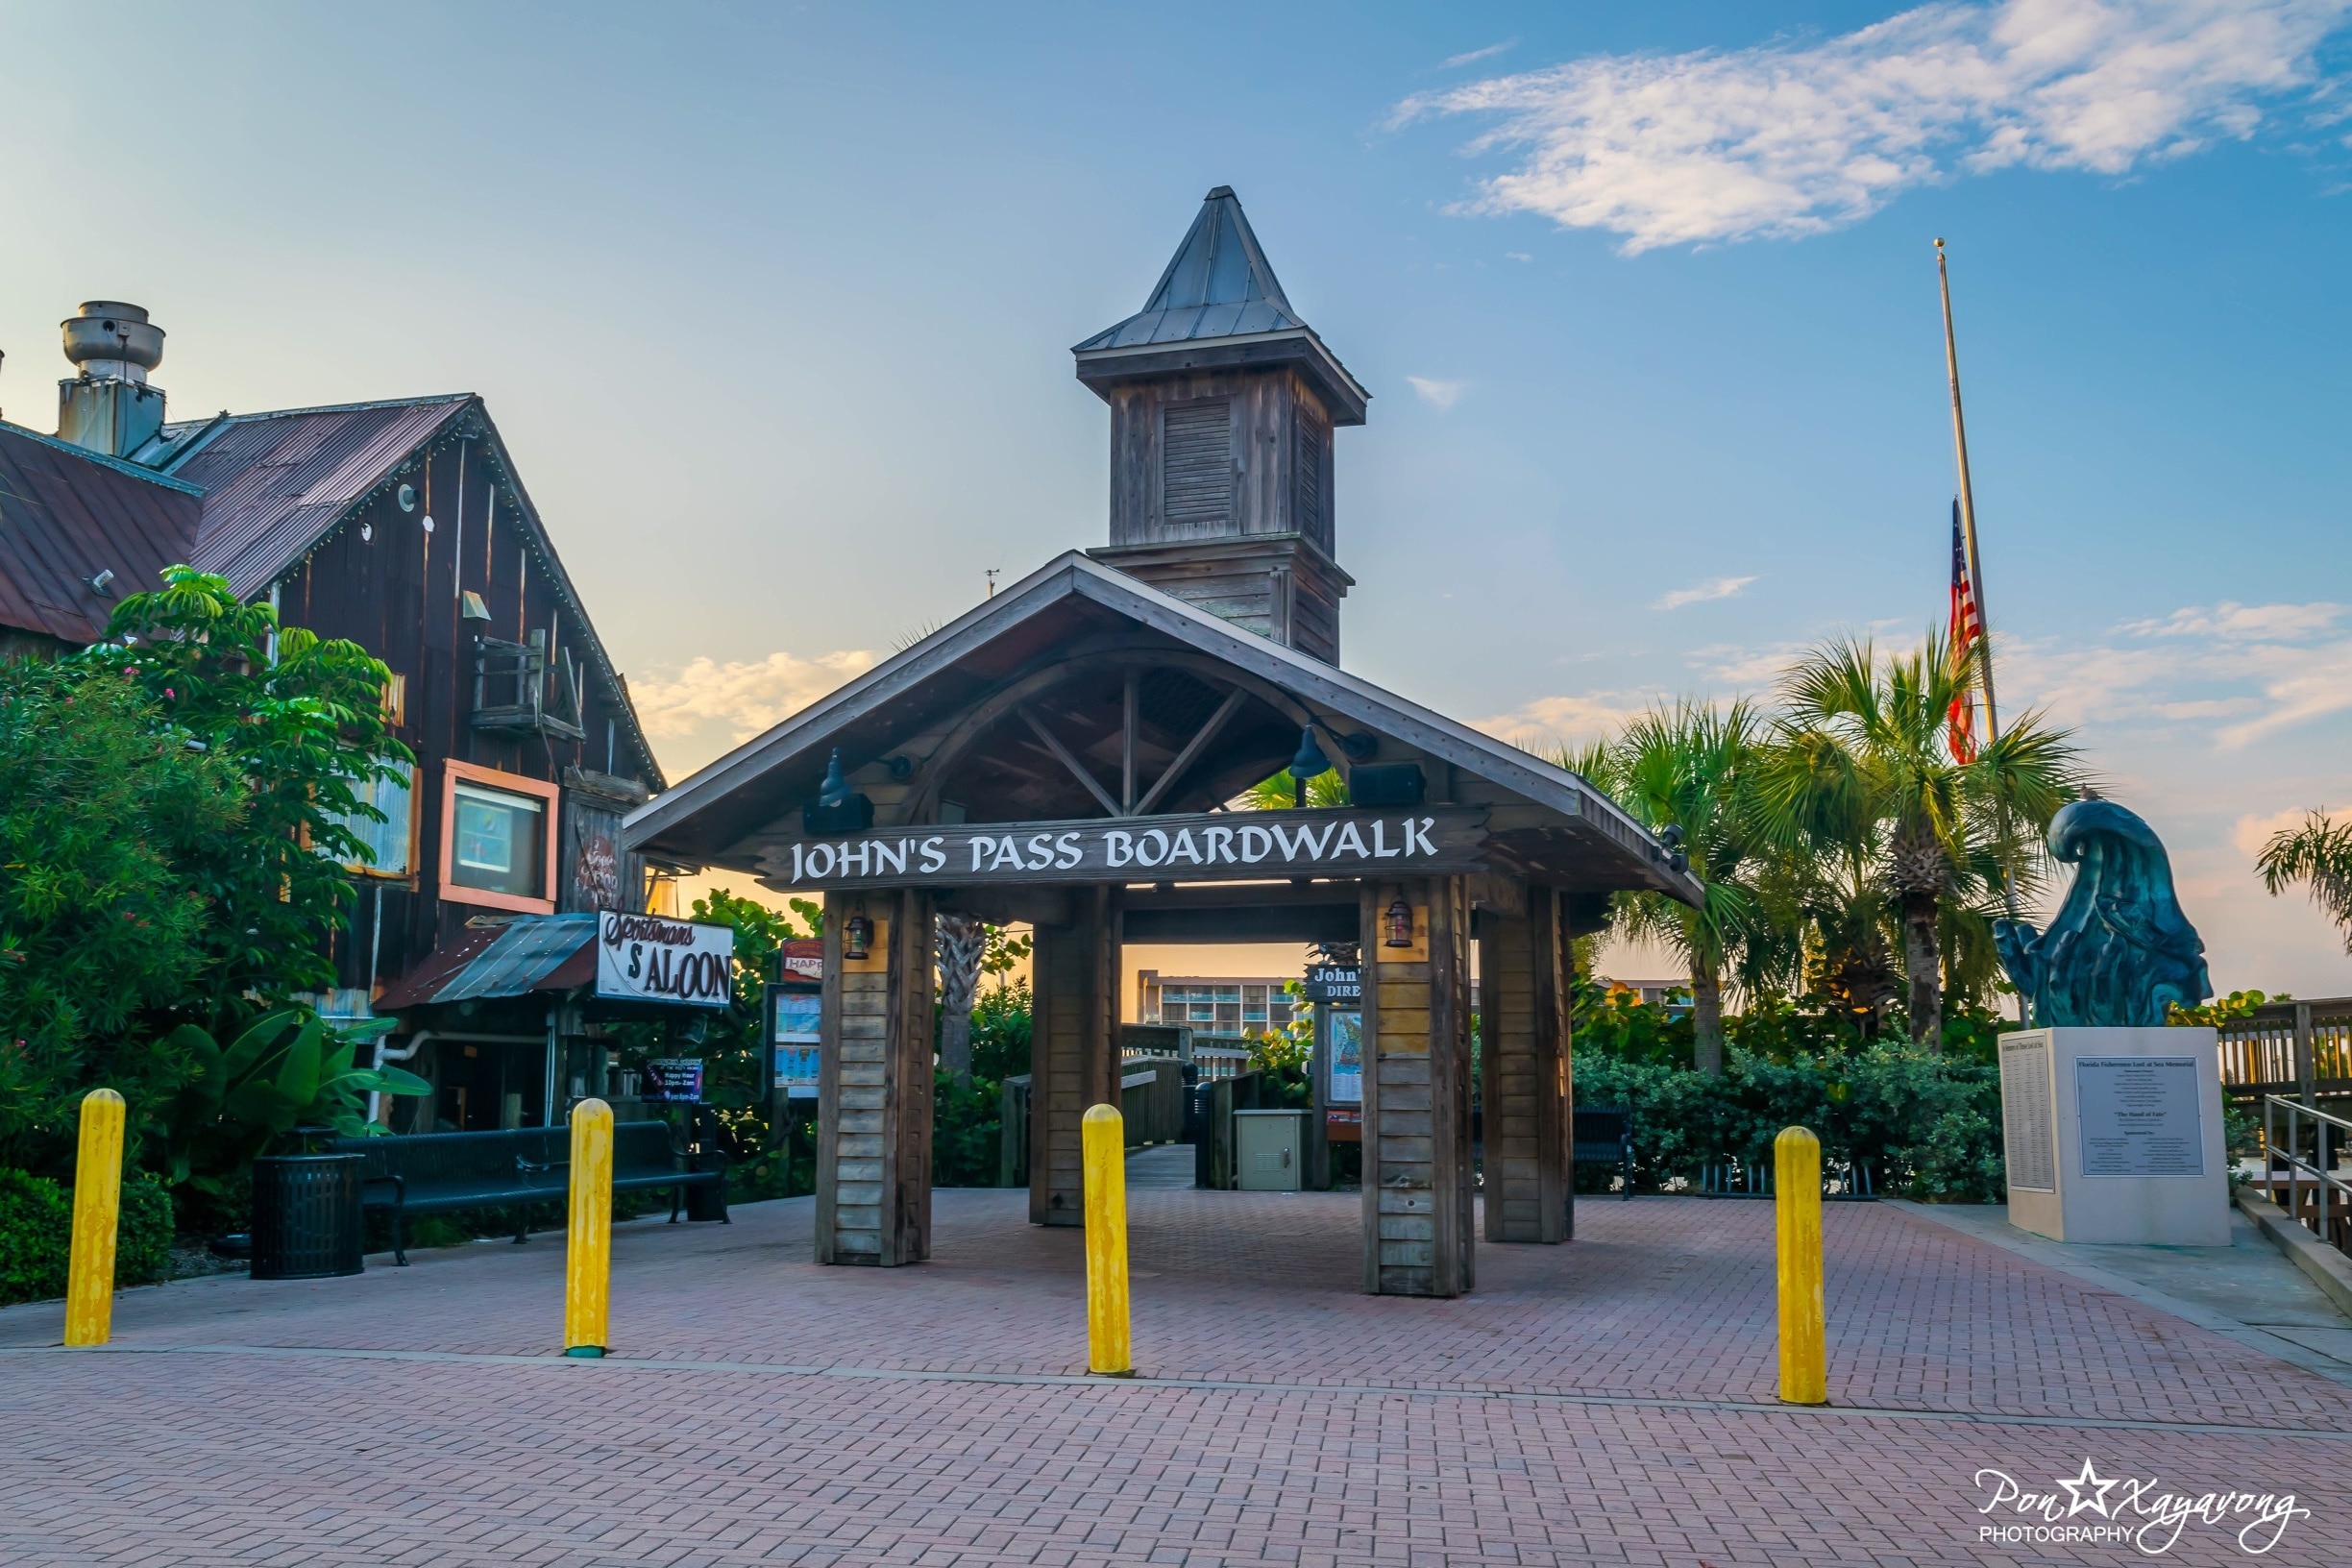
{"x": 644, "y": 958}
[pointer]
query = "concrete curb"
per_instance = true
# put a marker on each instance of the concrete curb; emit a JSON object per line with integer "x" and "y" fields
{"x": 2329, "y": 1269}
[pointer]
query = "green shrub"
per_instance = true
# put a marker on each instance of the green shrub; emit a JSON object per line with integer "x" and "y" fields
{"x": 37, "y": 1235}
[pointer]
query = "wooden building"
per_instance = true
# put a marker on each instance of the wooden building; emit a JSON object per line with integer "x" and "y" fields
{"x": 404, "y": 526}
{"x": 1065, "y": 755}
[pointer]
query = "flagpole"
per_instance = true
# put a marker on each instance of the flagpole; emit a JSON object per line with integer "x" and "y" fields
{"x": 1967, "y": 499}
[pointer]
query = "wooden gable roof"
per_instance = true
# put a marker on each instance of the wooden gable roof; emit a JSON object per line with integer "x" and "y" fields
{"x": 1015, "y": 711}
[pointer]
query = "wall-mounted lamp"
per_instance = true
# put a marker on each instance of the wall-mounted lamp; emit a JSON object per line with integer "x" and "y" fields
{"x": 471, "y": 606}
{"x": 98, "y": 583}
{"x": 857, "y": 937}
{"x": 1400, "y": 924}
{"x": 406, "y": 498}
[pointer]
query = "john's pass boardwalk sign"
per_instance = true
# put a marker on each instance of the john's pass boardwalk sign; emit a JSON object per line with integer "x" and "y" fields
{"x": 1212, "y": 846}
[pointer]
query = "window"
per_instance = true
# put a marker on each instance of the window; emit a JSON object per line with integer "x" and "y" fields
{"x": 498, "y": 839}
{"x": 388, "y": 840}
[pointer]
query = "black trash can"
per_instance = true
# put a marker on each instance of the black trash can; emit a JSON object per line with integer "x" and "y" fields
{"x": 702, "y": 1153}
{"x": 306, "y": 1216}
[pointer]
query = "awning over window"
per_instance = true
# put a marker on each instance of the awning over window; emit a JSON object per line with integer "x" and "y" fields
{"x": 530, "y": 952}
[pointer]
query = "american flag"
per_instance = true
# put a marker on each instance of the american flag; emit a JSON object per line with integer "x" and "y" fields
{"x": 1966, "y": 629}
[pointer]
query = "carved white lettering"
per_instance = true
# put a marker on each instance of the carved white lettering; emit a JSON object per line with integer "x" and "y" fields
{"x": 1307, "y": 840}
{"x": 1350, "y": 839}
{"x": 890, "y": 858}
{"x": 1008, "y": 856}
{"x": 1067, "y": 852}
{"x": 1219, "y": 842}
{"x": 1256, "y": 841}
{"x": 1040, "y": 852}
{"x": 800, "y": 857}
{"x": 933, "y": 856}
{"x": 981, "y": 845}
{"x": 1184, "y": 848}
{"x": 1416, "y": 836}
{"x": 820, "y": 860}
{"x": 1158, "y": 852}
{"x": 1380, "y": 841}
{"x": 1118, "y": 849}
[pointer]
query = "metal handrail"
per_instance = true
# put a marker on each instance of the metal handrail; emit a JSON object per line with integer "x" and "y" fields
{"x": 2321, "y": 1169}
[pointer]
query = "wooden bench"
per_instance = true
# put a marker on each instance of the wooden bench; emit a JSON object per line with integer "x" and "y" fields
{"x": 439, "y": 1173}
{"x": 1603, "y": 1136}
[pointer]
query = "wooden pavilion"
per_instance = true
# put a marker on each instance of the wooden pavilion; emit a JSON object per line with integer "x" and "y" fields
{"x": 1064, "y": 755}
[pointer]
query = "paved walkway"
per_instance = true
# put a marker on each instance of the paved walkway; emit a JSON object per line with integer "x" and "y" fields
{"x": 1609, "y": 1400}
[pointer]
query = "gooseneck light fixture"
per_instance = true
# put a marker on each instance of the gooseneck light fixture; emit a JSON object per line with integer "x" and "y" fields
{"x": 1309, "y": 763}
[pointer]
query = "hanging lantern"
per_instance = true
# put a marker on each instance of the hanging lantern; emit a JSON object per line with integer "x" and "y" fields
{"x": 1400, "y": 924}
{"x": 857, "y": 937}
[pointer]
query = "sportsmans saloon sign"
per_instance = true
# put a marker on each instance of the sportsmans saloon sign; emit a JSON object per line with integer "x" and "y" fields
{"x": 1214, "y": 846}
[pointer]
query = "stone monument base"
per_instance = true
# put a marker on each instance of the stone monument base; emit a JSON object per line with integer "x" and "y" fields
{"x": 2116, "y": 1135}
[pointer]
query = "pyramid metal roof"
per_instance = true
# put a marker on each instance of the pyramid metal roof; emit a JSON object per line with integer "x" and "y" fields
{"x": 1219, "y": 302}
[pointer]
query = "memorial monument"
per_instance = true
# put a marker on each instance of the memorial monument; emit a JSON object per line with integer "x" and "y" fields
{"x": 2112, "y": 1120}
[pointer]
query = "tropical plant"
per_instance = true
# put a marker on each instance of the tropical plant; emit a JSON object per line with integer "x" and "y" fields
{"x": 103, "y": 931}
{"x": 1280, "y": 792}
{"x": 301, "y": 721}
{"x": 1687, "y": 772}
{"x": 961, "y": 942}
{"x": 287, "y": 1070}
{"x": 2319, "y": 854}
{"x": 2238, "y": 1004}
{"x": 1860, "y": 777}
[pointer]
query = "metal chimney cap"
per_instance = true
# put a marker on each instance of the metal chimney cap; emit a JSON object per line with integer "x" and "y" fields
{"x": 109, "y": 337}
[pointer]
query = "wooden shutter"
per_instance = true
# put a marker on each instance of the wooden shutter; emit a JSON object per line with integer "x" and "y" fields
{"x": 1196, "y": 464}
{"x": 1312, "y": 437}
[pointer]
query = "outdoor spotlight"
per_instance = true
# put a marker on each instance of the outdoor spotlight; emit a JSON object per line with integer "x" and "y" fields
{"x": 857, "y": 937}
{"x": 1400, "y": 924}
{"x": 1309, "y": 763}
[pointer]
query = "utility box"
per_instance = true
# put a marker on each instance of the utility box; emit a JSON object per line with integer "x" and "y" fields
{"x": 1270, "y": 1149}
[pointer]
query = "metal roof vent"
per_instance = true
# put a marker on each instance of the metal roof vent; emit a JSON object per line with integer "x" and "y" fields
{"x": 108, "y": 406}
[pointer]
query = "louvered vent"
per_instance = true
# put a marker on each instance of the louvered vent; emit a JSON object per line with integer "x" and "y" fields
{"x": 1312, "y": 437}
{"x": 1196, "y": 464}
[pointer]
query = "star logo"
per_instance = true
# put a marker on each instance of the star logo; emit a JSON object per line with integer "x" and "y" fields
{"x": 2089, "y": 1480}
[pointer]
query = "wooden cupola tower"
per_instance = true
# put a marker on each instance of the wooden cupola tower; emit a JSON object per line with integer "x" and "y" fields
{"x": 1222, "y": 408}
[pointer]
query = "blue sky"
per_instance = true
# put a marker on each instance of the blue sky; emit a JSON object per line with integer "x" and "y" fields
{"x": 774, "y": 308}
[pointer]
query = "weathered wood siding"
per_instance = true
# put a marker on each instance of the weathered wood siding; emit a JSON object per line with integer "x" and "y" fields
{"x": 383, "y": 582}
{"x": 1524, "y": 1025}
{"x": 874, "y": 1153}
{"x": 1280, "y": 438}
{"x": 1073, "y": 1052}
{"x": 1417, "y": 1176}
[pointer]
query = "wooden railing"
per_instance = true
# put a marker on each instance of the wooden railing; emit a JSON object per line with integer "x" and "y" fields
{"x": 2302, "y": 1049}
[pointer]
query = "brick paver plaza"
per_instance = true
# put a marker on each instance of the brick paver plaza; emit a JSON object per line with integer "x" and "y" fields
{"x": 1609, "y": 1400}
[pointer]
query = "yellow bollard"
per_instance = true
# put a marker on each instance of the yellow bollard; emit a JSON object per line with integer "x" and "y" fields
{"x": 1106, "y": 1242}
{"x": 97, "y": 1211}
{"x": 1804, "y": 1374}
{"x": 588, "y": 1244}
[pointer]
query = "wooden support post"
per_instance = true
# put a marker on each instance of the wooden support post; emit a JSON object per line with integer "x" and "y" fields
{"x": 1524, "y": 1072}
{"x": 873, "y": 1125}
{"x": 1073, "y": 1049}
{"x": 1417, "y": 1189}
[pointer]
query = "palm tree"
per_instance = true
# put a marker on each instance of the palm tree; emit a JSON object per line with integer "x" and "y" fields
{"x": 1862, "y": 774}
{"x": 2319, "y": 853}
{"x": 1688, "y": 770}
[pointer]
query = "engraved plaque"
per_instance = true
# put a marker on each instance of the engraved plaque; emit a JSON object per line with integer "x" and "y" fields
{"x": 2139, "y": 1115}
{"x": 2028, "y": 1120}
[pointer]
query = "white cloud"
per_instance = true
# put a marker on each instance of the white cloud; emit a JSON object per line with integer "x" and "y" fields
{"x": 1784, "y": 140}
{"x": 1487, "y": 53}
{"x": 1441, "y": 396}
{"x": 1701, "y": 593}
{"x": 1549, "y": 722}
{"x": 741, "y": 698}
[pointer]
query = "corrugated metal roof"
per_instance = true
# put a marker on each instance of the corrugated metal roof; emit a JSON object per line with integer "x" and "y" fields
{"x": 65, "y": 516}
{"x": 1218, "y": 284}
{"x": 524, "y": 955}
{"x": 276, "y": 483}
